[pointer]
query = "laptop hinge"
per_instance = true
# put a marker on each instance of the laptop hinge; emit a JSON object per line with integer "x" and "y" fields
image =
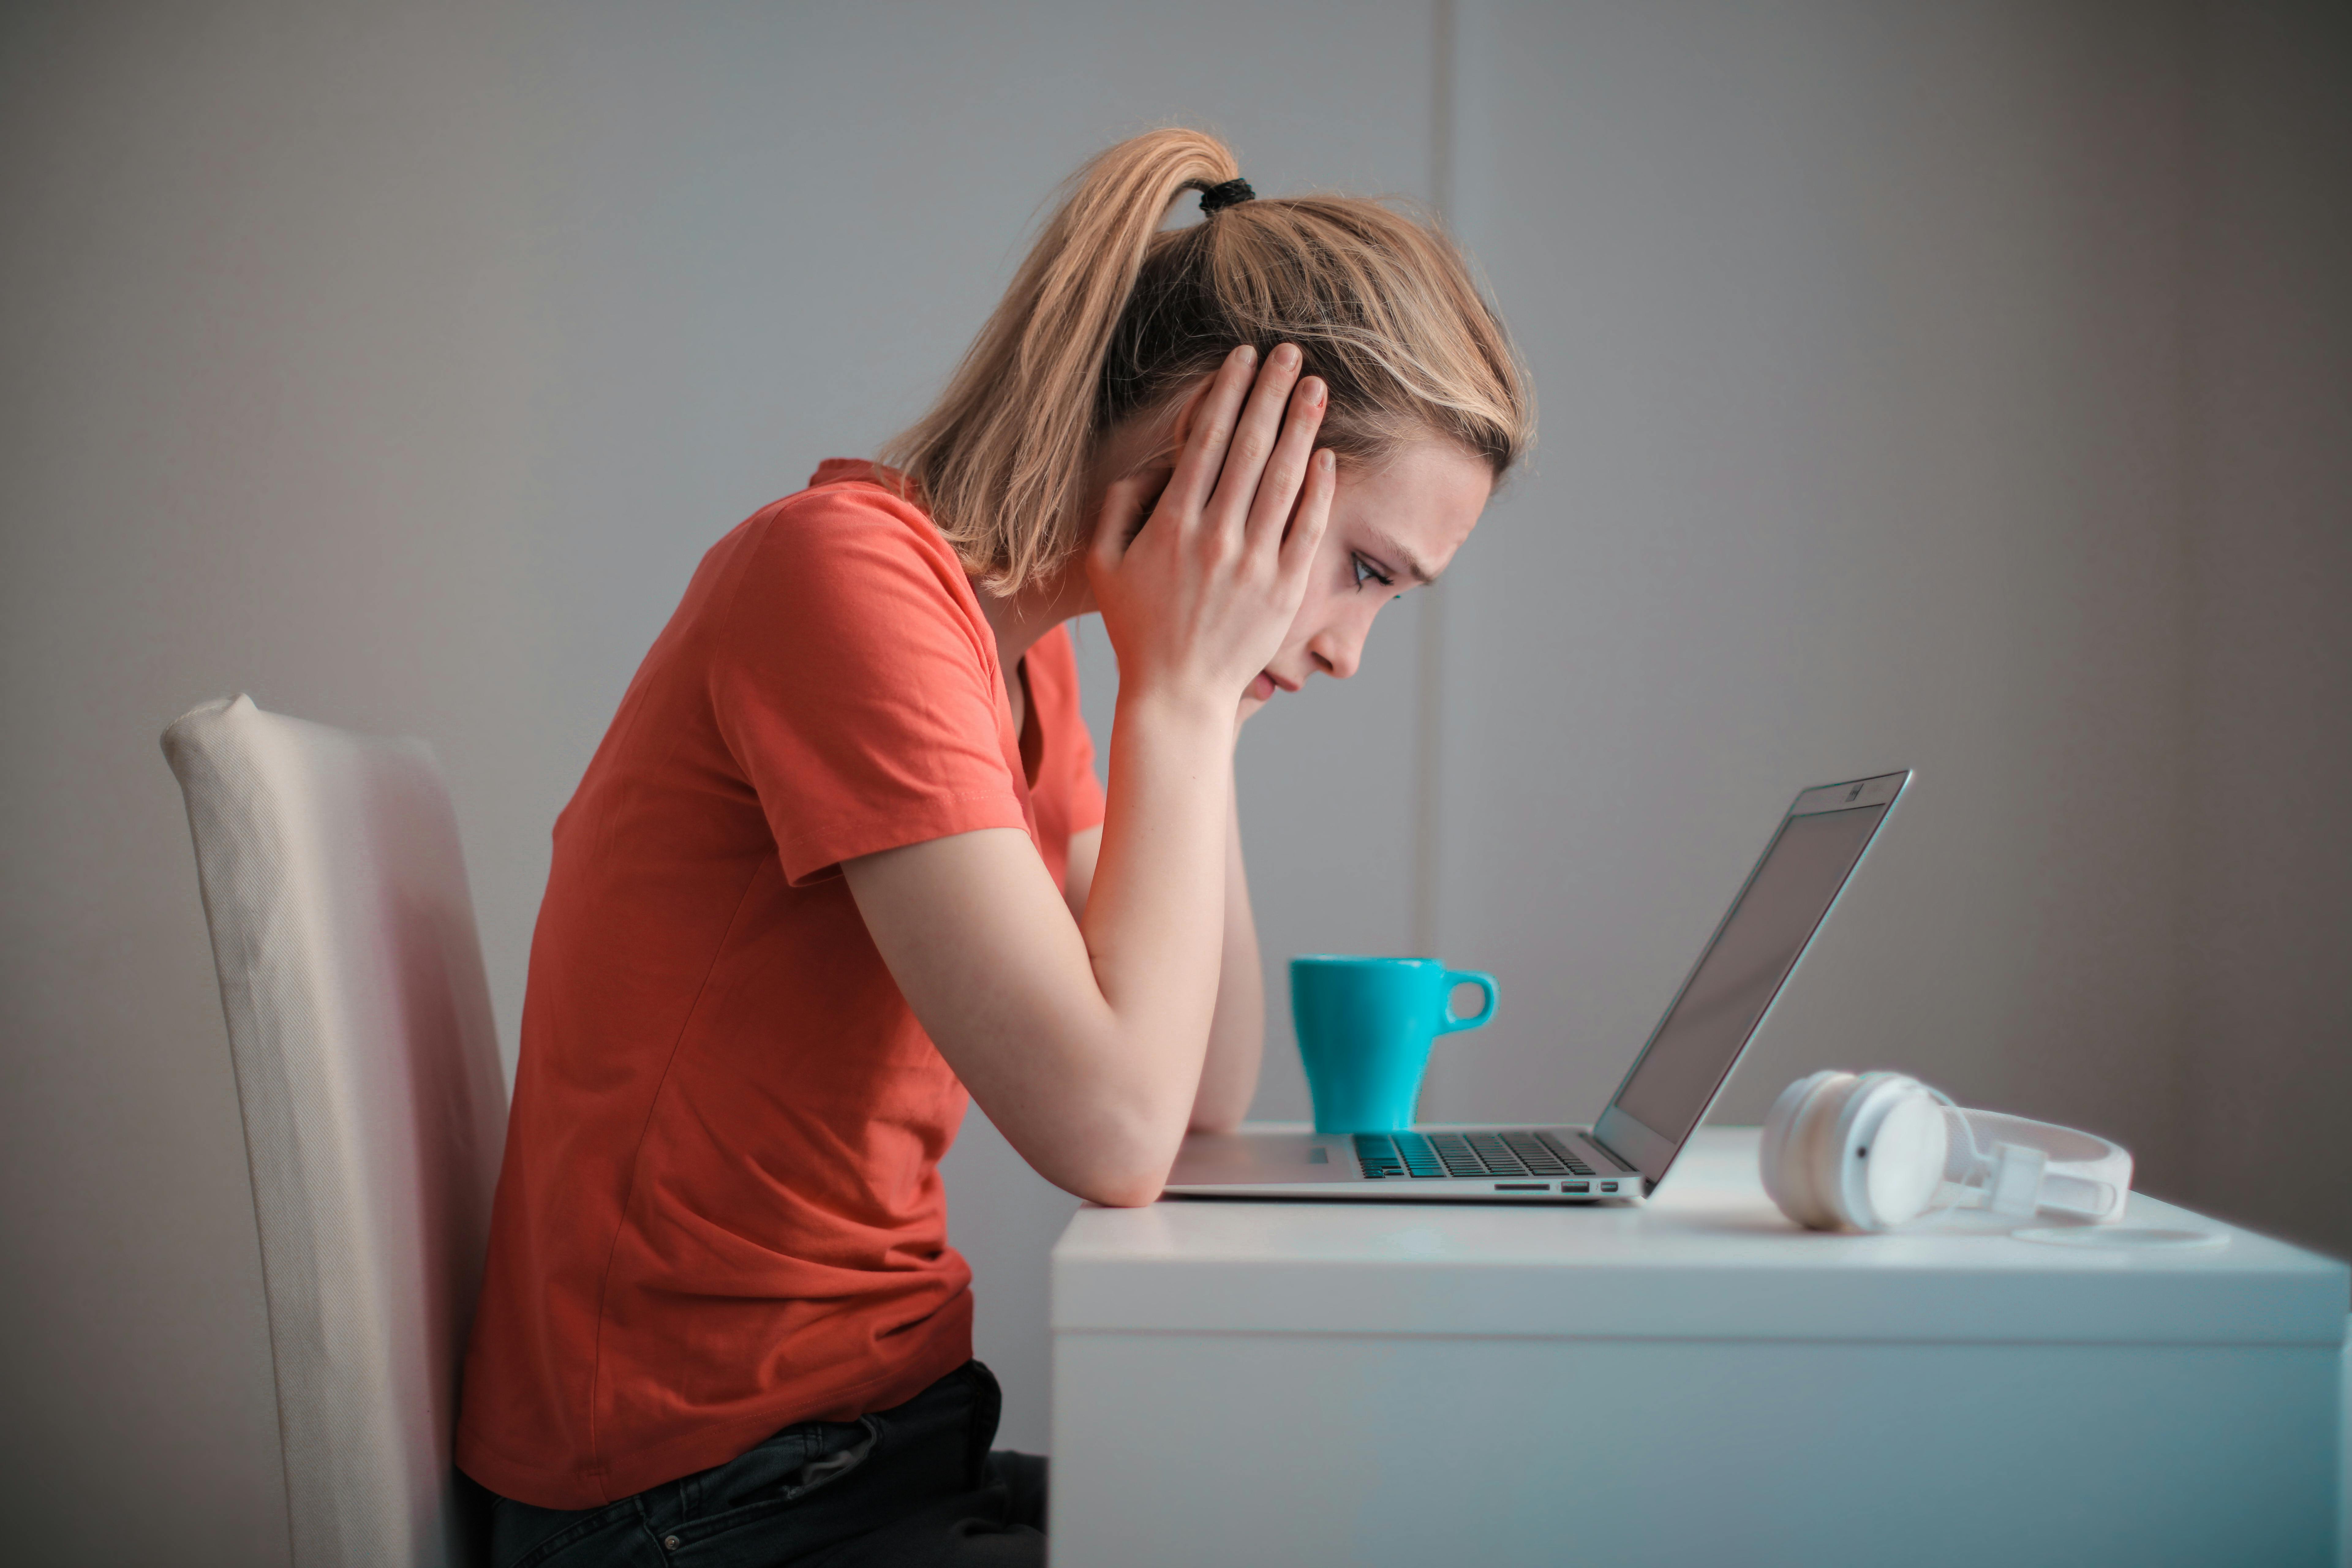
{"x": 1614, "y": 1158}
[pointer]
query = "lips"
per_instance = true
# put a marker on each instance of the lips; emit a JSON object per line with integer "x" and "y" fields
{"x": 1263, "y": 687}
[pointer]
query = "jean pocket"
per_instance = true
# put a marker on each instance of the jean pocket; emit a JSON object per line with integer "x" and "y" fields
{"x": 795, "y": 1462}
{"x": 826, "y": 1468}
{"x": 765, "y": 1490}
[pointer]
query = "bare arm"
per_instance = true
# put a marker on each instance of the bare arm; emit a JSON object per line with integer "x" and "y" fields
{"x": 1237, "y": 1028}
{"x": 1084, "y": 1039}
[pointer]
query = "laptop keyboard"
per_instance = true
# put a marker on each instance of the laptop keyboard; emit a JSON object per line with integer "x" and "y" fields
{"x": 1436, "y": 1155}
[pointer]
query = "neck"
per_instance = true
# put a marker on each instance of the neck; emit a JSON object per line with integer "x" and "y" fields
{"x": 1020, "y": 619}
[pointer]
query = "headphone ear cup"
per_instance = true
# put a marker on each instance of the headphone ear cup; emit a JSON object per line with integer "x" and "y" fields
{"x": 1863, "y": 1152}
{"x": 1905, "y": 1164}
{"x": 1824, "y": 1150}
{"x": 1772, "y": 1157}
{"x": 1792, "y": 1176}
{"x": 1889, "y": 1148}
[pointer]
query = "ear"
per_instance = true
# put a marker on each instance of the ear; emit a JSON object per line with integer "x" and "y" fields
{"x": 1188, "y": 411}
{"x": 1156, "y": 464}
{"x": 1178, "y": 431}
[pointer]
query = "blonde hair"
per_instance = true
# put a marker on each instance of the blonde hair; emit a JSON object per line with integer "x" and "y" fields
{"x": 1109, "y": 317}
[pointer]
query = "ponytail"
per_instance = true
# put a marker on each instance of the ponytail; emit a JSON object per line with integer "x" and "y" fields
{"x": 1109, "y": 317}
{"x": 1000, "y": 460}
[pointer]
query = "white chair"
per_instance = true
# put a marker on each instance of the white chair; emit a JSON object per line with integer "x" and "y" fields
{"x": 367, "y": 1071}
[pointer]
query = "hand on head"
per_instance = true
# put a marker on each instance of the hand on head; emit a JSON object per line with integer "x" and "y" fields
{"x": 1198, "y": 584}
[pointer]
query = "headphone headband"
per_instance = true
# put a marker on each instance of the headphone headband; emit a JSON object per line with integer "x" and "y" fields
{"x": 2068, "y": 1170}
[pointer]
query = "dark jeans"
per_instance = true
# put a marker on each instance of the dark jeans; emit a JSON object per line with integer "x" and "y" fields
{"x": 915, "y": 1485}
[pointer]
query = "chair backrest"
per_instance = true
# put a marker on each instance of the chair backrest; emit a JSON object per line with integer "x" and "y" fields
{"x": 367, "y": 1070}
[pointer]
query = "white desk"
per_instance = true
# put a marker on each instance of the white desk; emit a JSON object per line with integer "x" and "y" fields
{"x": 1691, "y": 1382}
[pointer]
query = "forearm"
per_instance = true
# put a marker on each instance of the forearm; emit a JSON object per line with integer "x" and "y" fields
{"x": 1237, "y": 1029}
{"x": 1082, "y": 1039}
{"x": 1155, "y": 921}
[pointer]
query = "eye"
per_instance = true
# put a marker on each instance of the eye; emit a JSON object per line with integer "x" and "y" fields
{"x": 1363, "y": 571}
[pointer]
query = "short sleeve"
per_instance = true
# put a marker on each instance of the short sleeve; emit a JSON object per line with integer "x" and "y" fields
{"x": 855, "y": 682}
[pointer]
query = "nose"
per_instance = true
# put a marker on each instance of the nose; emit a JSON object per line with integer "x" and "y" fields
{"x": 1338, "y": 649}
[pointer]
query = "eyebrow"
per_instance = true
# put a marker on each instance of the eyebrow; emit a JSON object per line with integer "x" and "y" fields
{"x": 1412, "y": 566}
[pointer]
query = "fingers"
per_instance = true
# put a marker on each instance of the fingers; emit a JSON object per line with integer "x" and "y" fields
{"x": 1313, "y": 515}
{"x": 1254, "y": 439}
{"x": 1204, "y": 455}
{"x": 1286, "y": 468}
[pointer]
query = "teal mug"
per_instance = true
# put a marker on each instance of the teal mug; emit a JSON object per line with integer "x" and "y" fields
{"x": 1364, "y": 1030}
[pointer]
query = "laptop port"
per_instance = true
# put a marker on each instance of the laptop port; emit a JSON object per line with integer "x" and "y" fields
{"x": 1523, "y": 1187}
{"x": 1576, "y": 1187}
{"x": 1608, "y": 1187}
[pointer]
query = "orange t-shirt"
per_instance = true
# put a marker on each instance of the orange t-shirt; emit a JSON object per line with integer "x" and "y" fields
{"x": 721, "y": 1209}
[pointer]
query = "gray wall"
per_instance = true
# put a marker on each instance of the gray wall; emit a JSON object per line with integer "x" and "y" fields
{"x": 1859, "y": 330}
{"x": 2268, "y": 1019}
{"x": 1958, "y": 387}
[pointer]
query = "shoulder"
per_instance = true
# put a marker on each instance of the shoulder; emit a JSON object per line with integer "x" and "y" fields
{"x": 850, "y": 516}
{"x": 848, "y": 550}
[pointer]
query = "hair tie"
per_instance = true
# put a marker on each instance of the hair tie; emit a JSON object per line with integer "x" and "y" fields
{"x": 1233, "y": 193}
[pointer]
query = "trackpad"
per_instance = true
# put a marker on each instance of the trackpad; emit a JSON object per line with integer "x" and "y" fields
{"x": 1256, "y": 1157}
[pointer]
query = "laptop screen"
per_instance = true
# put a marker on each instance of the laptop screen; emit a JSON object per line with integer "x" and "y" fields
{"x": 1753, "y": 952}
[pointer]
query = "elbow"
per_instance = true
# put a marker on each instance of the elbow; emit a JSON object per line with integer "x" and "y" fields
{"x": 1125, "y": 1194}
{"x": 1133, "y": 1188}
{"x": 1125, "y": 1170}
{"x": 1111, "y": 1143}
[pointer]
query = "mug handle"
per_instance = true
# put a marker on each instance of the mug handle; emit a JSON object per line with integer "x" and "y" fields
{"x": 1447, "y": 1023}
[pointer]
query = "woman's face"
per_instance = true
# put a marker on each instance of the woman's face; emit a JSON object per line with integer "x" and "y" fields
{"x": 1393, "y": 527}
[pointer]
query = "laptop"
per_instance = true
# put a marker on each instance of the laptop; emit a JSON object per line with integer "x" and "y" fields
{"x": 1623, "y": 1156}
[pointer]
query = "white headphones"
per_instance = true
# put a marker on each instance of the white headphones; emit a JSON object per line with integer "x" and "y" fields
{"x": 1873, "y": 1151}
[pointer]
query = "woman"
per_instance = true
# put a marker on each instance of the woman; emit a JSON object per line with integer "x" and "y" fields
{"x": 842, "y": 856}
